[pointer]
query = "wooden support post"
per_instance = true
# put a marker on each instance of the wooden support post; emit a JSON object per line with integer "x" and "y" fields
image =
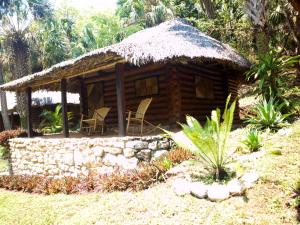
{"x": 83, "y": 98}
{"x": 63, "y": 89}
{"x": 174, "y": 95}
{"x": 29, "y": 112}
{"x": 120, "y": 98}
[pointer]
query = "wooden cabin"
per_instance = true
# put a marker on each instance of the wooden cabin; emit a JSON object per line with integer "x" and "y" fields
{"x": 182, "y": 69}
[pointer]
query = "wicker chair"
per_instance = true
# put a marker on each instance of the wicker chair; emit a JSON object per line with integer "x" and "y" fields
{"x": 137, "y": 119}
{"x": 97, "y": 120}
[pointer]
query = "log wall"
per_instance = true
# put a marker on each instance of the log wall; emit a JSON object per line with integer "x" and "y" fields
{"x": 177, "y": 92}
{"x": 158, "y": 109}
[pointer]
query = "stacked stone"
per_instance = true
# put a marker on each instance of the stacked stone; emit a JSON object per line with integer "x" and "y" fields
{"x": 81, "y": 156}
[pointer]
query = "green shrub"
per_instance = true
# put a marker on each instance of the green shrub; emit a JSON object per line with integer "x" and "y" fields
{"x": 3, "y": 152}
{"x": 53, "y": 121}
{"x": 210, "y": 141}
{"x": 271, "y": 72}
{"x": 166, "y": 163}
{"x": 267, "y": 114}
{"x": 253, "y": 141}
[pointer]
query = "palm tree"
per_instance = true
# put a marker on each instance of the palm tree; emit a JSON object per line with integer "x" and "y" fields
{"x": 256, "y": 10}
{"x": 293, "y": 21}
{"x": 4, "y": 110}
{"x": 15, "y": 20}
{"x": 148, "y": 13}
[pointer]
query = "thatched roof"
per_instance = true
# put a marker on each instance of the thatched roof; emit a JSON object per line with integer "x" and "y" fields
{"x": 171, "y": 40}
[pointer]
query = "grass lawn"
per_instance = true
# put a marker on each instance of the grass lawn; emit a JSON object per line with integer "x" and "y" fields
{"x": 269, "y": 202}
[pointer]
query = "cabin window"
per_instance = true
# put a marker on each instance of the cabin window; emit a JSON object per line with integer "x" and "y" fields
{"x": 204, "y": 87}
{"x": 146, "y": 87}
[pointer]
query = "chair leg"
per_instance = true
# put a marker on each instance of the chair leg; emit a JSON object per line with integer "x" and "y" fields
{"x": 142, "y": 127}
{"x": 102, "y": 130}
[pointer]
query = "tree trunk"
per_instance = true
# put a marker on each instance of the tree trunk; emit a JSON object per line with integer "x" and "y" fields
{"x": 295, "y": 4}
{"x": 261, "y": 37}
{"x": 20, "y": 67}
{"x": 209, "y": 8}
{"x": 4, "y": 110}
{"x": 293, "y": 23}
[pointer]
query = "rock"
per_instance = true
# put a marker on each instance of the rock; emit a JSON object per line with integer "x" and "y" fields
{"x": 157, "y": 154}
{"x": 98, "y": 151}
{"x": 112, "y": 150}
{"x": 144, "y": 155}
{"x": 127, "y": 164}
{"x": 153, "y": 145}
{"x": 137, "y": 145}
{"x": 198, "y": 189}
{"x": 129, "y": 152}
{"x": 110, "y": 160}
{"x": 164, "y": 144}
{"x": 176, "y": 170}
{"x": 235, "y": 187}
{"x": 217, "y": 193}
{"x": 284, "y": 131}
{"x": 181, "y": 187}
{"x": 249, "y": 179}
{"x": 68, "y": 158}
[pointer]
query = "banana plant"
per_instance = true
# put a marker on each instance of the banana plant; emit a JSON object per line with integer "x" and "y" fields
{"x": 53, "y": 122}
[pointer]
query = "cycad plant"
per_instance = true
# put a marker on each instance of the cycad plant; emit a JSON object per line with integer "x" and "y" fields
{"x": 267, "y": 115}
{"x": 253, "y": 141}
{"x": 53, "y": 121}
{"x": 209, "y": 142}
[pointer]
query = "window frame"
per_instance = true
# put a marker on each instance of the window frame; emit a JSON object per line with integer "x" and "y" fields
{"x": 145, "y": 78}
{"x": 208, "y": 97}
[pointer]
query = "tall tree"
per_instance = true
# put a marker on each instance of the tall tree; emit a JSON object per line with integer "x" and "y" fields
{"x": 148, "y": 13}
{"x": 256, "y": 10}
{"x": 15, "y": 19}
{"x": 4, "y": 110}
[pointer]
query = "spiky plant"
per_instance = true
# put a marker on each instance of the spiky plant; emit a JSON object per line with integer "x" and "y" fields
{"x": 271, "y": 72}
{"x": 267, "y": 115}
{"x": 208, "y": 142}
{"x": 253, "y": 141}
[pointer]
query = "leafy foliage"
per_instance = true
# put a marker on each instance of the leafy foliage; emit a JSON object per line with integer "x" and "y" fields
{"x": 209, "y": 142}
{"x": 138, "y": 179}
{"x": 271, "y": 73}
{"x": 253, "y": 141}
{"x": 7, "y": 134}
{"x": 53, "y": 121}
{"x": 3, "y": 152}
{"x": 267, "y": 115}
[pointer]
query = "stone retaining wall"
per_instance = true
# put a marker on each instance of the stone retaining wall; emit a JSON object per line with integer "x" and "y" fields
{"x": 59, "y": 157}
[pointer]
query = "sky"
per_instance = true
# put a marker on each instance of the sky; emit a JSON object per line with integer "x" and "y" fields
{"x": 83, "y": 5}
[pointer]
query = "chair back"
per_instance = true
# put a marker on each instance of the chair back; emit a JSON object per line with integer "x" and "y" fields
{"x": 143, "y": 106}
{"x": 101, "y": 113}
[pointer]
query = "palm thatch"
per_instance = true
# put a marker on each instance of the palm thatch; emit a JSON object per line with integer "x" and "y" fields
{"x": 171, "y": 40}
